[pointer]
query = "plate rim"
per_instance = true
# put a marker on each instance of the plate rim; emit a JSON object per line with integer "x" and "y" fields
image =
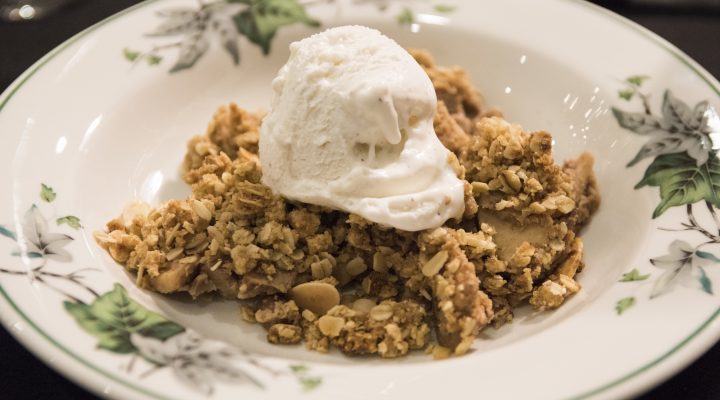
{"x": 700, "y": 338}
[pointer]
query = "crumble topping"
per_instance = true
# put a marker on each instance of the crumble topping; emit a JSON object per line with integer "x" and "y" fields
{"x": 332, "y": 279}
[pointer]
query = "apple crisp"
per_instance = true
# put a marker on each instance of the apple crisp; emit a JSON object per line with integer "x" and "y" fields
{"x": 332, "y": 279}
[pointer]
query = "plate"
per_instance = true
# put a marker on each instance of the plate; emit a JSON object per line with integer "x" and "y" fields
{"x": 104, "y": 118}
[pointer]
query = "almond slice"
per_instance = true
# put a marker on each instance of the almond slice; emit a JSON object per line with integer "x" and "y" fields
{"x": 317, "y": 297}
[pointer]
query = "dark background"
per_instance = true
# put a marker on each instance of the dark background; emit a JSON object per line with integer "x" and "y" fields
{"x": 692, "y": 25}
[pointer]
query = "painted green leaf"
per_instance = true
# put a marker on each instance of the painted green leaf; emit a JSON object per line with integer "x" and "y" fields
{"x": 660, "y": 169}
{"x": 162, "y": 330}
{"x": 153, "y": 59}
{"x": 299, "y": 369}
{"x": 261, "y": 20}
{"x": 406, "y": 17}
{"x": 624, "y": 304}
{"x": 29, "y": 254}
{"x": 310, "y": 383}
{"x": 112, "y": 317}
{"x": 626, "y": 94}
{"x": 8, "y": 233}
{"x": 47, "y": 193}
{"x": 444, "y": 8}
{"x": 637, "y": 80}
{"x": 705, "y": 281}
{"x": 707, "y": 256}
{"x": 70, "y": 220}
{"x": 681, "y": 181}
{"x": 130, "y": 55}
{"x": 633, "y": 275}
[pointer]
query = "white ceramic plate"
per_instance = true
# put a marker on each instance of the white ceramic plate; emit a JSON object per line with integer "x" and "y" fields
{"x": 103, "y": 119}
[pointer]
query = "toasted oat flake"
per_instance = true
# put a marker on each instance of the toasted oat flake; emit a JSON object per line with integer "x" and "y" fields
{"x": 331, "y": 326}
{"x": 381, "y": 312}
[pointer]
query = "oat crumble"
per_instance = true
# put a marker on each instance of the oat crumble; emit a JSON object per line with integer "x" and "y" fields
{"x": 332, "y": 279}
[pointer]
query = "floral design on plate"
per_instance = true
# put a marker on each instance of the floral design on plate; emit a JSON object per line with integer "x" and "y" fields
{"x": 123, "y": 326}
{"x": 226, "y": 21}
{"x": 223, "y": 22}
{"x": 686, "y": 169}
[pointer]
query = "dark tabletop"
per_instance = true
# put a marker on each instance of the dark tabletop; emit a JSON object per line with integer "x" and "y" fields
{"x": 694, "y": 27}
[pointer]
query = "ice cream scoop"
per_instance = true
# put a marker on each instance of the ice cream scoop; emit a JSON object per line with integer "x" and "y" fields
{"x": 351, "y": 128}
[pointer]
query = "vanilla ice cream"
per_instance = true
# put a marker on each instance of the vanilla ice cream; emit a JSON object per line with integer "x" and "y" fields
{"x": 351, "y": 128}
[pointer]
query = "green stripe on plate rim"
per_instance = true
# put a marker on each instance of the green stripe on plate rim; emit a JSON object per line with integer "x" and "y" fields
{"x": 15, "y": 86}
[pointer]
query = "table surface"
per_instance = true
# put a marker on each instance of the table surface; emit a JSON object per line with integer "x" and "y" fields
{"x": 693, "y": 30}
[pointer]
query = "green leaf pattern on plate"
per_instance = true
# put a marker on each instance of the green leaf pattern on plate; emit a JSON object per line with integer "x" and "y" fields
{"x": 406, "y": 16}
{"x": 683, "y": 143}
{"x": 47, "y": 194}
{"x": 194, "y": 29}
{"x": 69, "y": 220}
{"x": 633, "y": 275}
{"x": 682, "y": 181}
{"x": 636, "y": 80}
{"x": 624, "y": 304}
{"x": 444, "y": 8}
{"x": 130, "y": 55}
{"x": 705, "y": 281}
{"x": 114, "y": 316}
{"x": 8, "y": 233}
{"x": 260, "y": 21}
{"x": 307, "y": 382}
{"x": 707, "y": 256}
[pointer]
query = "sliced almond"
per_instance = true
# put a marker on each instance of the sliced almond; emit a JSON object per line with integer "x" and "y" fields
{"x": 433, "y": 266}
{"x": 317, "y": 297}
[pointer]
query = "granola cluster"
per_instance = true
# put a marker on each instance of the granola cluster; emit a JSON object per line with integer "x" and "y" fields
{"x": 332, "y": 279}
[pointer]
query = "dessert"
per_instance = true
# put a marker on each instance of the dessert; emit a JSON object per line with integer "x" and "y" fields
{"x": 332, "y": 278}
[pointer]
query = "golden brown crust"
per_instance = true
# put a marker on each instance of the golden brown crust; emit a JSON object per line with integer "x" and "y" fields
{"x": 232, "y": 131}
{"x": 515, "y": 243}
{"x": 389, "y": 329}
{"x": 533, "y": 208}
